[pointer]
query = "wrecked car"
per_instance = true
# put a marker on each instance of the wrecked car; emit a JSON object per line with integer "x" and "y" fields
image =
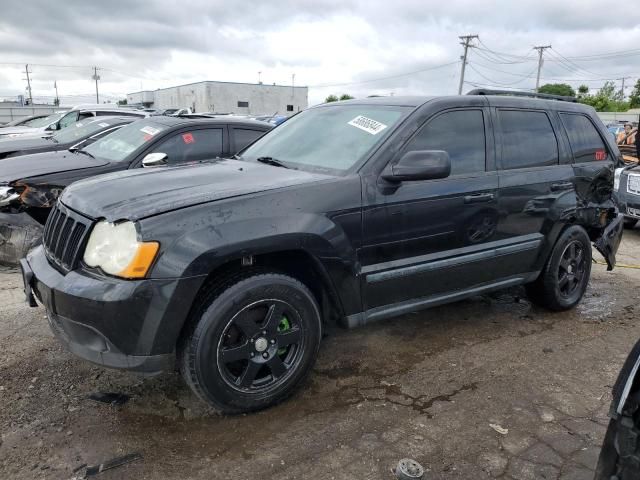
{"x": 30, "y": 184}
{"x": 627, "y": 189}
{"x": 349, "y": 212}
{"x": 72, "y": 138}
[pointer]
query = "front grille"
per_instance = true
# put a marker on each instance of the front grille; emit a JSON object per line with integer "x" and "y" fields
{"x": 633, "y": 184}
{"x": 64, "y": 237}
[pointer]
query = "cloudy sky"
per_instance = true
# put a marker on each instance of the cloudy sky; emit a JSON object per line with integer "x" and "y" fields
{"x": 333, "y": 46}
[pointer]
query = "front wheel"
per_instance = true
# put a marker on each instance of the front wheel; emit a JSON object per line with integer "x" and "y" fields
{"x": 251, "y": 343}
{"x": 565, "y": 276}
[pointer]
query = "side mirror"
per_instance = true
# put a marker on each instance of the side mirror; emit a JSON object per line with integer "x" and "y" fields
{"x": 53, "y": 127}
{"x": 419, "y": 165}
{"x": 156, "y": 159}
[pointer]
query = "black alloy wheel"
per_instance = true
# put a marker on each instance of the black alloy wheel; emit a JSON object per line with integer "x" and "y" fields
{"x": 571, "y": 268}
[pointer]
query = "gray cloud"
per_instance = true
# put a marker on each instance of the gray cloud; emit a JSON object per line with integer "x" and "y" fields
{"x": 164, "y": 42}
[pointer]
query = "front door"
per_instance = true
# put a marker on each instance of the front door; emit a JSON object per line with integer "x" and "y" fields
{"x": 424, "y": 238}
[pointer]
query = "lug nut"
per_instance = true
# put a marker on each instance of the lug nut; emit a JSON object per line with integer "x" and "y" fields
{"x": 252, "y": 354}
{"x": 265, "y": 355}
{"x": 251, "y": 340}
{"x": 273, "y": 341}
{"x": 264, "y": 332}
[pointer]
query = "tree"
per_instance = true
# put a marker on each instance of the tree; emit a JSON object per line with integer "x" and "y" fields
{"x": 583, "y": 91}
{"x": 634, "y": 98}
{"x": 558, "y": 89}
{"x": 331, "y": 98}
{"x": 608, "y": 99}
{"x": 122, "y": 102}
{"x": 346, "y": 96}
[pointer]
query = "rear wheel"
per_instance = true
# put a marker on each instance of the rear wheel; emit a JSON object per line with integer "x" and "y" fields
{"x": 630, "y": 222}
{"x": 565, "y": 276}
{"x": 251, "y": 343}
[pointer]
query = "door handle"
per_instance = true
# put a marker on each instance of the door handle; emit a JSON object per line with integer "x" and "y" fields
{"x": 558, "y": 187}
{"x": 479, "y": 198}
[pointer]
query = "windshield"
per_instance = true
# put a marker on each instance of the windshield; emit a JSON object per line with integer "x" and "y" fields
{"x": 118, "y": 145}
{"x": 331, "y": 139}
{"x": 79, "y": 131}
{"x": 44, "y": 122}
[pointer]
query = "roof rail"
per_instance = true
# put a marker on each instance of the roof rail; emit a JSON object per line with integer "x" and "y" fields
{"x": 516, "y": 93}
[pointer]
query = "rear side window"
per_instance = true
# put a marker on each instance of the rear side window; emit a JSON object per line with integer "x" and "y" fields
{"x": 244, "y": 137}
{"x": 586, "y": 143}
{"x": 528, "y": 139}
{"x": 460, "y": 133}
{"x": 192, "y": 146}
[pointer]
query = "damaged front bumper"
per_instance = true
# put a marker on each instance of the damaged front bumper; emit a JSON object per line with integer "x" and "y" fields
{"x": 609, "y": 241}
{"x": 19, "y": 233}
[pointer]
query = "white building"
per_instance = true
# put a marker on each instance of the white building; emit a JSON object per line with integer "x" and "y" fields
{"x": 226, "y": 97}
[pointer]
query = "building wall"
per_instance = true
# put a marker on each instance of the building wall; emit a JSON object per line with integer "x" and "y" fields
{"x": 223, "y": 97}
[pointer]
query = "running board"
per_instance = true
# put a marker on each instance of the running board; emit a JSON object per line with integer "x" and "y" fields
{"x": 396, "y": 309}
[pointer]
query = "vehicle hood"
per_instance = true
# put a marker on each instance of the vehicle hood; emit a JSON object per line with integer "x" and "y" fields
{"x": 19, "y": 130}
{"x": 37, "y": 164}
{"x": 23, "y": 142}
{"x": 136, "y": 194}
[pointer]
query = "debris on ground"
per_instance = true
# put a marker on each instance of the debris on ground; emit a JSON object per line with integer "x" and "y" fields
{"x": 499, "y": 429}
{"x": 113, "y": 463}
{"x": 409, "y": 469}
{"x": 110, "y": 398}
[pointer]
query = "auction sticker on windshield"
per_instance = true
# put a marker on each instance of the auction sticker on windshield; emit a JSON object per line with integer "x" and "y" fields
{"x": 149, "y": 130}
{"x": 367, "y": 124}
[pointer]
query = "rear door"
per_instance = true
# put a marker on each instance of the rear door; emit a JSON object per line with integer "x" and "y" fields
{"x": 534, "y": 184}
{"x": 424, "y": 238}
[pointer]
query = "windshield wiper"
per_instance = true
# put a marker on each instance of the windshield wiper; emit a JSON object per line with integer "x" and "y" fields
{"x": 271, "y": 161}
{"x": 84, "y": 152}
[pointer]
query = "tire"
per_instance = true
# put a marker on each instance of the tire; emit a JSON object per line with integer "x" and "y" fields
{"x": 251, "y": 342}
{"x": 565, "y": 276}
{"x": 630, "y": 222}
{"x": 620, "y": 454}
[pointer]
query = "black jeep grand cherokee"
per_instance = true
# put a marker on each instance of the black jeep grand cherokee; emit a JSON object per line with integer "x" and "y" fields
{"x": 350, "y": 212}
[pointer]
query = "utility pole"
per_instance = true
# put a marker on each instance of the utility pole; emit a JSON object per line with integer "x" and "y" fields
{"x": 466, "y": 43}
{"x": 259, "y": 78}
{"x": 293, "y": 79}
{"x": 26, "y": 70}
{"x": 55, "y": 85}
{"x": 96, "y": 77}
{"x": 541, "y": 50}
{"x": 622, "y": 89}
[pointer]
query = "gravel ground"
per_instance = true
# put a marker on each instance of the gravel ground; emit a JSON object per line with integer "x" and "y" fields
{"x": 428, "y": 386}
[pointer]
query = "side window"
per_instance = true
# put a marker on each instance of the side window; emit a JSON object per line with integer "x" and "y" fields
{"x": 192, "y": 146}
{"x": 68, "y": 119}
{"x": 83, "y": 115}
{"x": 586, "y": 143}
{"x": 528, "y": 139}
{"x": 104, "y": 113}
{"x": 245, "y": 137}
{"x": 460, "y": 133}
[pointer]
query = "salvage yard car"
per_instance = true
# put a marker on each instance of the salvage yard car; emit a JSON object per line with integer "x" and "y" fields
{"x": 30, "y": 184}
{"x": 627, "y": 187}
{"x": 353, "y": 212}
{"x": 72, "y": 138}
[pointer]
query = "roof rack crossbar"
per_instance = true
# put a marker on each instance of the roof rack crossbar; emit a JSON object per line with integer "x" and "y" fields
{"x": 516, "y": 93}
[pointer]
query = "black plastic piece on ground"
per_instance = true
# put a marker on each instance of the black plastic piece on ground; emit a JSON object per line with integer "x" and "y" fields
{"x": 113, "y": 463}
{"x": 114, "y": 399}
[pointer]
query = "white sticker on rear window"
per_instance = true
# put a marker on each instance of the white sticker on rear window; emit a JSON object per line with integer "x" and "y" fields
{"x": 367, "y": 124}
{"x": 149, "y": 130}
{"x": 103, "y": 124}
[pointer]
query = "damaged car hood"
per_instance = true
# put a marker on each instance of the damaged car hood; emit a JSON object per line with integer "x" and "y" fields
{"x": 137, "y": 194}
{"x": 37, "y": 164}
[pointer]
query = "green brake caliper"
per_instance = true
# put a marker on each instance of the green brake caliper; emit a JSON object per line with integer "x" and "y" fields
{"x": 283, "y": 326}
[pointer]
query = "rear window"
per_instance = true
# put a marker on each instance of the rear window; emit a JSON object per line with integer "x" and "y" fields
{"x": 586, "y": 143}
{"x": 528, "y": 139}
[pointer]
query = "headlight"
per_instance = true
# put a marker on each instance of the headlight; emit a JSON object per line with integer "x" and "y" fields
{"x": 116, "y": 250}
{"x": 616, "y": 178}
{"x": 7, "y": 195}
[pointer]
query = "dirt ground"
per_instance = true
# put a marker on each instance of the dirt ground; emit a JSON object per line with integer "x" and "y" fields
{"x": 427, "y": 386}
